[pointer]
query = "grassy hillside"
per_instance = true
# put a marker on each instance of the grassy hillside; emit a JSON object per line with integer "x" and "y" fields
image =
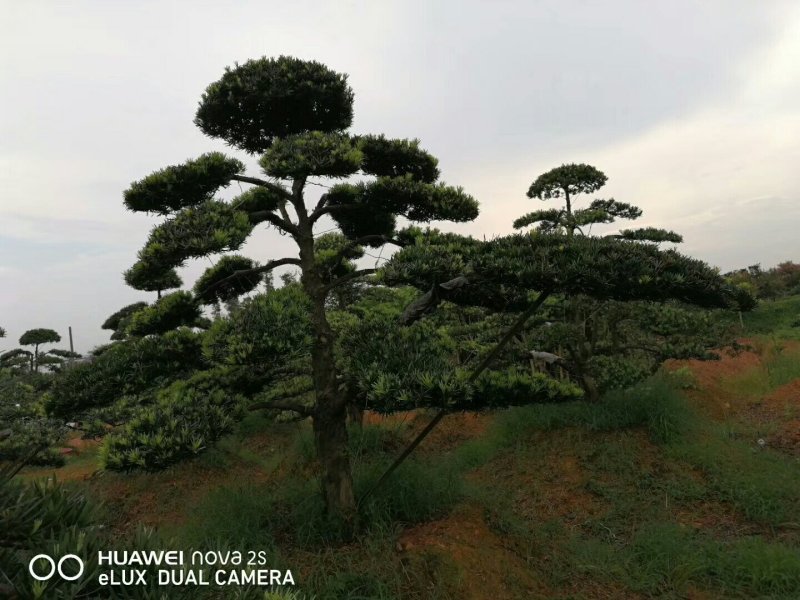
{"x": 686, "y": 486}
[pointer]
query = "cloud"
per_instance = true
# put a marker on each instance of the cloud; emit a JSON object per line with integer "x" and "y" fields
{"x": 725, "y": 175}
{"x": 691, "y": 108}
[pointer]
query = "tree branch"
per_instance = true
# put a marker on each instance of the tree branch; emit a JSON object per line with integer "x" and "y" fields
{"x": 292, "y": 406}
{"x": 430, "y": 299}
{"x": 264, "y": 183}
{"x": 320, "y": 204}
{"x": 386, "y": 239}
{"x": 484, "y": 364}
{"x": 352, "y": 245}
{"x": 319, "y": 211}
{"x": 266, "y": 215}
{"x": 345, "y": 278}
{"x": 273, "y": 264}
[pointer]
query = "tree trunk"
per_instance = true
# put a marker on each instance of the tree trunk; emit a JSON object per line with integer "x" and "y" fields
{"x": 355, "y": 415}
{"x": 330, "y": 437}
{"x": 330, "y": 416}
{"x": 330, "y": 411}
{"x": 589, "y": 386}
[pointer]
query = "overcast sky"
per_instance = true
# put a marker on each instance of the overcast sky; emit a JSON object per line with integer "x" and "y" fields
{"x": 692, "y": 109}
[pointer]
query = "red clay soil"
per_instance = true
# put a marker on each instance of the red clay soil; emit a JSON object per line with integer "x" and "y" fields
{"x": 553, "y": 489}
{"x": 780, "y": 408}
{"x": 708, "y": 376}
{"x": 783, "y": 406}
{"x": 717, "y": 517}
{"x": 169, "y": 497}
{"x": 487, "y": 569}
{"x": 80, "y": 445}
{"x": 452, "y": 431}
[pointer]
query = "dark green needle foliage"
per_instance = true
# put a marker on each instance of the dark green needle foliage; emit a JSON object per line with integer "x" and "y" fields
{"x": 334, "y": 255}
{"x": 170, "y": 312}
{"x": 504, "y": 272}
{"x": 148, "y": 277}
{"x": 568, "y": 181}
{"x": 650, "y": 234}
{"x": 389, "y": 368}
{"x": 185, "y": 418}
{"x": 259, "y": 200}
{"x": 312, "y": 153}
{"x": 208, "y": 228}
{"x": 261, "y": 100}
{"x": 606, "y": 343}
{"x": 180, "y": 186}
{"x": 587, "y": 277}
{"x": 618, "y": 307}
{"x": 268, "y": 330}
{"x": 231, "y": 277}
{"x": 375, "y": 205}
{"x": 24, "y": 431}
{"x": 36, "y": 337}
{"x": 130, "y": 368}
{"x": 118, "y": 321}
{"x": 384, "y": 157}
{"x": 16, "y": 359}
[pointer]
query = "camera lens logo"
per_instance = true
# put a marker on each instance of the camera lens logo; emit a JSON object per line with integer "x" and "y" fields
{"x": 55, "y": 566}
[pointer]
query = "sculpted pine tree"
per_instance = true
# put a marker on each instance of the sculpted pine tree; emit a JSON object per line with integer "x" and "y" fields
{"x": 581, "y": 321}
{"x": 35, "y": 338}
{"x": 568, "y": 181}
{"x": 293, "y": 114}
{"x": 144, "y": 277}
{"x": 518, "y": 274}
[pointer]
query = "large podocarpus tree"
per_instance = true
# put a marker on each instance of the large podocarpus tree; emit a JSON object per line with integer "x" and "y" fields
{"x": 605, "y": 340}
{"x": 294, "y": 114}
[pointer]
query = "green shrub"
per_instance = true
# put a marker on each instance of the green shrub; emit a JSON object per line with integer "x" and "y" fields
{"x": 618, "y": 372}
{"x": 513, "y": 387}
{"x": 270, "y": 328}
{"x": 167, "y": 313}
{"x": 22, "y": 426}
{"x": 186, "y": 418}
{"x": 127, "y": 368}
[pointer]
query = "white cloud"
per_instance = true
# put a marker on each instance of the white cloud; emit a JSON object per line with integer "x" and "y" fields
{"x": 693, "y": 116}
{"x": 726, "y": 175}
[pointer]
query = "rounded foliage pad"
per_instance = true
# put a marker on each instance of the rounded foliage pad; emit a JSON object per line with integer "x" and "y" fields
{"x": 227, "y": 279}
{"x": 572, "y": 179}
{"x": 262, "y": 99}
{"x": 179, "y": 186}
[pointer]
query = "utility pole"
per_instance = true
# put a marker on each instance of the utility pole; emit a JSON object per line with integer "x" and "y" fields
{"x": 71, "y": 347}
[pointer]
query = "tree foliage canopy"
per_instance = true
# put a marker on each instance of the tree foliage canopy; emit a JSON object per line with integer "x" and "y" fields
{"x": 151, "y": 277}
{"x": 261, "y": 100}
{"x": 180, "y": 186}
{"x": 169, "y": 312}
{"x": 35, "y": 337}
{"x": 232, "y": 276}
{"x": 503, "y": 272}
{"x": 569, "y": 180}
{"x": 118, "y": 321}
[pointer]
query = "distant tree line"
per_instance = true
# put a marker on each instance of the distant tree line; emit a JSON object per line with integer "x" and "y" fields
{"x": 769, "y": 284}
